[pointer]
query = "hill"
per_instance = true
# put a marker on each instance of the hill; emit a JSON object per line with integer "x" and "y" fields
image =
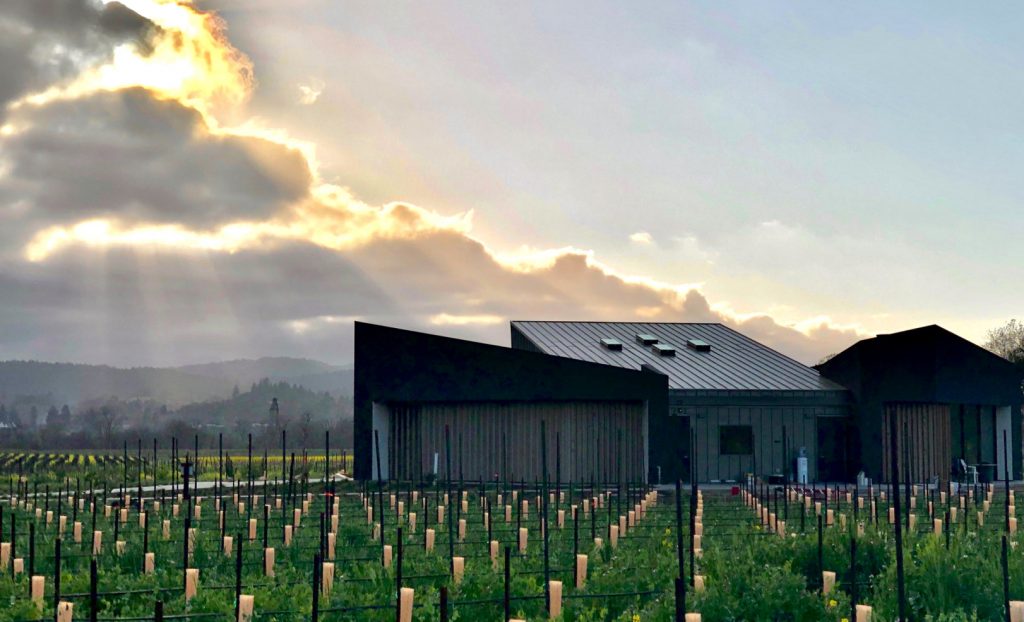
{"x": 69, "y": 383}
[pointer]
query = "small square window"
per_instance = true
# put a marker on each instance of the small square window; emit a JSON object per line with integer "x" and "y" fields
{"x": 735, "y": 440}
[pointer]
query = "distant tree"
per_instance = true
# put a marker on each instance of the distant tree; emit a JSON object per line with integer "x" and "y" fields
{"x": 107, "y": 417}
{"x": 33, "y": 416}
{"x": 234, "y": 392}
{"x": 275, "y": 413}
{"x": 65, "y": 414}
{"x": 1008, "y": 341}
{"x": 827, "y": 358}
{"x": 5, "y": 417}
{"x": 306, "y": 427}
{"x": 52, "y": 416}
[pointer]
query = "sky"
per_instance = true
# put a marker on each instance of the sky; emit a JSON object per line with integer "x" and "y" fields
{"x": 234, "y": 178}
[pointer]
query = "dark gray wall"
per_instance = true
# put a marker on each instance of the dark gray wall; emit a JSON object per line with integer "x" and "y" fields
{"x": 771, "y": 415}
{"x": 394, "y": 365}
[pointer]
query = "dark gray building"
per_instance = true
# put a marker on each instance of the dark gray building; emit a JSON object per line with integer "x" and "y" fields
{"x": 741, "y": 398}
{"x": 626, "y": 400}
{"x": 409, "y": 386}
{"x": 952, "y": 399}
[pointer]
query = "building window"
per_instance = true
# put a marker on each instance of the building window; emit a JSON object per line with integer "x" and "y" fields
{"x": 735, "y": 440}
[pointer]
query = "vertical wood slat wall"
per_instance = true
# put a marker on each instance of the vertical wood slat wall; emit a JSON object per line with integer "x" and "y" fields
{"x": 588, "y": 433}
{"x": 930, "y": 438}
{"x": 766, "y": 422}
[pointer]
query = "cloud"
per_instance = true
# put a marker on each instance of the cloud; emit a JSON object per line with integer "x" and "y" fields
{"x": 641, "y": 237}
{"x": 148, "y": 220}
{"x": 446, "y": 319}
{"x": 43, "y": 42}
{"x": 310, "y": 92}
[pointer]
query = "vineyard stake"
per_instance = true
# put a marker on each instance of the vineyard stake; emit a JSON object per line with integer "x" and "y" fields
{"x": 853, "y": 575}
{"x": 448, "y": 488}
{"x": 316, "y": 588}
{"x": 380, "y": 492}
{"x": 443, "y": 604}
{"x": 1006, "y": 578}
{"x": 508, "y": 583}
{"x": 248, "y": 506}
{"x": 56, "y": 577}
{"x": 220, "y": 467}
{"x": 575, "y": 540}
{"x": 238, "y": 573}
{"x": 693, "y": 501}
{"x": 946, "y": 529}
{"x": 1006, "y": 478}
{"x": 895, "y": 477}
{"x": 680, "y": 578}
{"x": 397, "y": 568}
{"x": 544, "y": 506}
{"x": 139, "y": 474}
{"x": 821, "y": 557}
{"x": 680, "y": 585}
{"x": 145, "y": 539}
{"x": 31, "y": 549}
{"x": 94, "y": 601}
{"x": 909, "y": 474}
{"x": 266, "y": 524}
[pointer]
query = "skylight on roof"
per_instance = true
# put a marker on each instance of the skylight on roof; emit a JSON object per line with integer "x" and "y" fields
{"x": 699, "y": 345}
{"x": 646, "y": 340}
{"x": 611, "y": 344}
{"x": 663, "y": 349}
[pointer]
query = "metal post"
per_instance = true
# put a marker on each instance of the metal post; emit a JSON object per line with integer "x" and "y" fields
{"x": 508, "y": 584}
{"x": 895, "y": 476}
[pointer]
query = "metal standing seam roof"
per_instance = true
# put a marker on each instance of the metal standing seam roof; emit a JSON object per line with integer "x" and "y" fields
{"x": 735, "y": 362}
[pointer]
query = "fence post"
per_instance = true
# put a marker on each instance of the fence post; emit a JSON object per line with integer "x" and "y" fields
{"x": 821, "y": 554}
{"x": 895, "y": 476}
{"x": 94, "y": 601}
{"x": 1006, "y": 576}
{"x": 443, "y": 605}
{"x": 398, "y": 563}
{"x": 853, "y": 575}
{"x": 508, "y": 583}
{"x": 158, "y": 611}
{"x": 316, "y": 588}
{"x": 238, "y": 574}
{"x": 681, "y": 555}
{"x": 56, "y": 576}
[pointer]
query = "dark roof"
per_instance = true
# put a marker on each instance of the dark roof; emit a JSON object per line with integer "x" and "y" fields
{"x": 927, "y": 364}
{"x": 735, "y": 362}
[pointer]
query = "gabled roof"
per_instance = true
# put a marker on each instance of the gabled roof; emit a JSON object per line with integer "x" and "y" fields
{"x": 929, "y": 364}
{"x": 734, "y": 363}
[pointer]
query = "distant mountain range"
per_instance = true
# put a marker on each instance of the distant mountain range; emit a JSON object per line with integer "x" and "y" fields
{"x": 72, "y": 383}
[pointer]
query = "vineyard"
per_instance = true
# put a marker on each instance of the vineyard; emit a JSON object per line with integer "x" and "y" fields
{"x": 296, "y": 546}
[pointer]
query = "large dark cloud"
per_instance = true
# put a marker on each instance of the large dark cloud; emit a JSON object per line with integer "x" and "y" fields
{"x": 45, "y": 41}
{"x": 131, "y": 156}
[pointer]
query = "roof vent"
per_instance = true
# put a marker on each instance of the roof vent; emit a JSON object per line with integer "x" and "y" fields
{"x": 663, "y": 349}
{"x": 611, "y": 344}
{"x": 698, "y": 345}
{"x": 646, "y": 340}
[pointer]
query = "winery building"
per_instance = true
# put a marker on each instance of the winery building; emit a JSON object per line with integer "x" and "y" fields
{"x": 663, "y": 401}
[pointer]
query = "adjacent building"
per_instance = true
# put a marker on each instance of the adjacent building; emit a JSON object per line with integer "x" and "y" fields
{"x": 953, "y": 401}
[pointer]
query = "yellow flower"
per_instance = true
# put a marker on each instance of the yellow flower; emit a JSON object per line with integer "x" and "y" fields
{"x": 832, "y": 603}
{"x": 846, "y": 620}
{"x": 636, "y": 617}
